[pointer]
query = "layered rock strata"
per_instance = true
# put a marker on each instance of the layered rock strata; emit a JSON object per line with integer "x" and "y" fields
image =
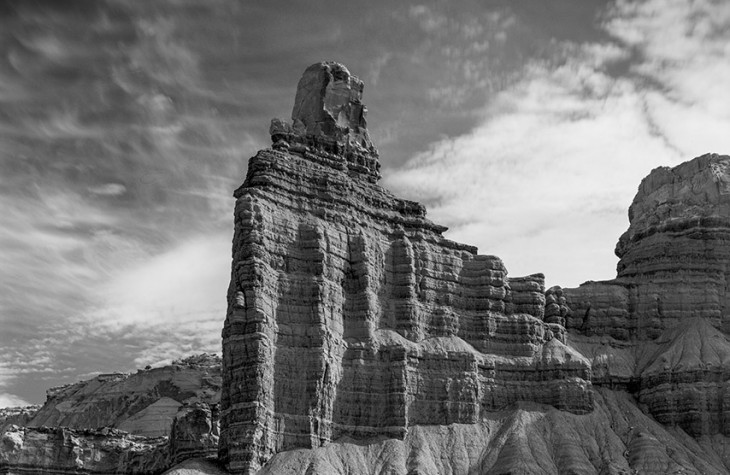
{"x": 662, "y": 319}
{"x": 142, "y": 403}
{"x": 351, "y": 315}
{"x": 359, "y": 340}
{"x": 674, "y": 258}
{"x": 60, "y": 450}
{"x": 18, "y": 416}
{"x": 119, "y": 423}
{"x": 194, "y": 433}
{"x": 528, "y": 438}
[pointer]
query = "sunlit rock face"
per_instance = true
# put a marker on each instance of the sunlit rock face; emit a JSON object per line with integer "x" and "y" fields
{"x": 329, "y": 117}
{"x": 674, "y": 258}
{"x": 670, "y": 303}
{"x": 351, "y": 315}
{"x": 676, "y": 251}
{"x": 328, "y": 104}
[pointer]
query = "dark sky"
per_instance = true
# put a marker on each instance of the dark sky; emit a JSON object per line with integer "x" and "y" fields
{"x": 125, "y": 126}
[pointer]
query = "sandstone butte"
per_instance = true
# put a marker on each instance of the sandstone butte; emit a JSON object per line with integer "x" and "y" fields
{"x": 359, "y": 340}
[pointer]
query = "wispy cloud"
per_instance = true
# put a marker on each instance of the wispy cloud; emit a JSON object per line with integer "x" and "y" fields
{"x": 166, "y": 307}
{"x": 167, "y": 289}
{"x": 162, "y": 308}
{"x": 683, "y": 50}
{"x": 114, "y": 157}
{"x": 545, "y": 181}
{"x": 11, "y": 400}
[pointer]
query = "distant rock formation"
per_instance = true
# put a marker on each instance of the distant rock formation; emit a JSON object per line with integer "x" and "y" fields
{"x": 60, "y": 450}
{"x": 142, "y": 422}
{"x": 19, "y": 416}
{"x": 351, "y": 315}
{"x": 670, "y": 302}
{"x": 674, "y": 258}
{"x": 142, "y": 403}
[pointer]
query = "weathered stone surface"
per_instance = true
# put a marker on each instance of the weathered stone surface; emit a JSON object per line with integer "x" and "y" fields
{"x": 194, "y": 433}
{"x": 685, "y": 381}
{"x": 18, "y": 416}
{"x": 616, "y": 438}
{"x": 196, "y": 467}
{"x": 674, "y": 258}
{"x": 329, "y": 103}
{"x": 329, "y": 117}
{"x": 179, "y": 401}
{"x": 60, "y": 450}
{"x": 600, "y": 308}
{"x": 556, "y": 307}
{"x": 676, "y": 250}
{"x": 142, "y": 403}
{"x": 350, "y": 315}
{"x": 669, "y": 299}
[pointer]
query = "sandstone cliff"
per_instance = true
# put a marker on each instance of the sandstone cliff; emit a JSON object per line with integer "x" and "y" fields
{"x": 673, "y": 258}
{"x": 657, "y": 329}
{"x": 356, "y": 333}
{"x": 350, "y": 315}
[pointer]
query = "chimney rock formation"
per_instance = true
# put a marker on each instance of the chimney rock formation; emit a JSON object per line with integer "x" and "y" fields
{"x": 351, "y": 315}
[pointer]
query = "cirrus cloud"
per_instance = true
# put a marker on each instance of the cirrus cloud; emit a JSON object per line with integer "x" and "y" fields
{"x": 546, "y": 179}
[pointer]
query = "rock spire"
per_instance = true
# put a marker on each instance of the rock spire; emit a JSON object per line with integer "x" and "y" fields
{"x": 350, "y": 315}
{"x": 329, "y": 116}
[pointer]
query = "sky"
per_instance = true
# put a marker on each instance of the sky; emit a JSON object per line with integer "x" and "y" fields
{"x": 523, "y": 126}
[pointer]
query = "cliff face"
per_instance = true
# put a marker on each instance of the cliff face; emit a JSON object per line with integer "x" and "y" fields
{"x": 351, "y": 315}
{"x": 18, "y": 416}
{"x": 673, "y": 258}
{"x": 143, "y": 403}
{"x": 60, "y": 450}
{"x": 119, "y": 423}
{"x": 669, "y": 304}
{"x": 527, "y": 438}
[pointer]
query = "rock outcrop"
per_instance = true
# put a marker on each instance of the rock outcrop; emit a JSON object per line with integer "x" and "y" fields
{"x": 194, "y": 433}
{"x": 60, "y": 450}
{"x": 666, "y": 311}
{"x": 350, "y": 315}
{"x": 142, "y": 403}
{"x": 18, "y": 416}
{"x": 329, "y": 116}
{"x": 142, "y": 422}
{"x": 674, "y": 258}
